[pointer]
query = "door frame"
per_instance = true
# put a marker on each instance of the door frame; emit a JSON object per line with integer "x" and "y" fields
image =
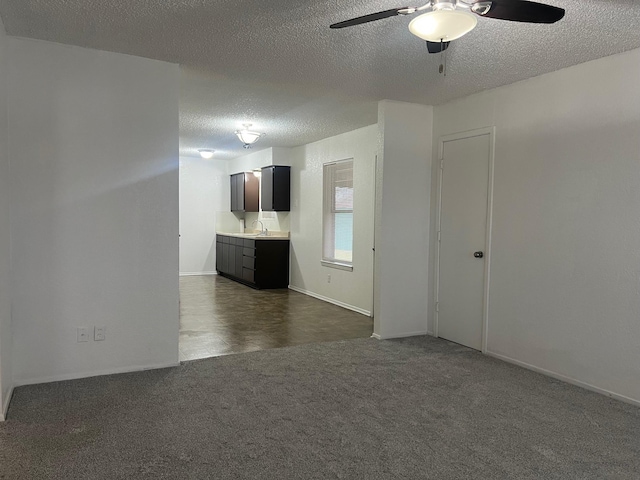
{"x": 491, "y": 131}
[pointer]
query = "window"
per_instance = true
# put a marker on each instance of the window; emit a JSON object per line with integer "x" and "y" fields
{"x": 338, "y": 214}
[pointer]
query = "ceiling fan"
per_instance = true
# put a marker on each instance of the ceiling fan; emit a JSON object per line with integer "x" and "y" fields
{"x": 447, "y": 20}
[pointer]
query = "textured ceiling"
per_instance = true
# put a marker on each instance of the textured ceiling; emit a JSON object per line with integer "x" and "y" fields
{"x": 276, "y": 64}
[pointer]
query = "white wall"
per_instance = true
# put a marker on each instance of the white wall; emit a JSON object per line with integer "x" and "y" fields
{"x": 565, "y": 271}
{"x": 94, "y": 183}
{"x": 204, "y": 192}
{"x": 262, "y": 158}
{"x": 402, "y": 219}
{"x": 251, "y": 161}
{"x": 354, "y": 289}
{"x": 6, "y": 376}
{"x": 272, "y": 221}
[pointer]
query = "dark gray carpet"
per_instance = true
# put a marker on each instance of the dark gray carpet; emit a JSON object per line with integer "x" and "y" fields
{"x": 412, "y": 408}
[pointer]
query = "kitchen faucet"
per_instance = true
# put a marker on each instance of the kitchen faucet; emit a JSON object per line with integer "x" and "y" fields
{"x": 263, "y": 231}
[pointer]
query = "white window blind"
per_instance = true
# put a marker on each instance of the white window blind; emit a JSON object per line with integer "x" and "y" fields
{"x": 338, "y": 213}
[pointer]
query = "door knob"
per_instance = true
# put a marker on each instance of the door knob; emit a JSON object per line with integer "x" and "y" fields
{"x": 478, "y": 254}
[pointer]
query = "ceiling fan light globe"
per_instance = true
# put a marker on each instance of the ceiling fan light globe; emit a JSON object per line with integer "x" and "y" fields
{"x": 443, "y": 25}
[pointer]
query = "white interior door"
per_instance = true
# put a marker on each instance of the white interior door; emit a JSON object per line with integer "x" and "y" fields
{"x": 464, "y": 199}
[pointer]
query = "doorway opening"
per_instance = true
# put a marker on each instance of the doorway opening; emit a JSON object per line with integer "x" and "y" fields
{"x": 235, "y": 290}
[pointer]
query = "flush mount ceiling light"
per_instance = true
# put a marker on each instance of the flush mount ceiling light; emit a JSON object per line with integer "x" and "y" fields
{"x": 443, "y": 25}
{"x": 248, "y": 137}
{"x": 206, "y": 153}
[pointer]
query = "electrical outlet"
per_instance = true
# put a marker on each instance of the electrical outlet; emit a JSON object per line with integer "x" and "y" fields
{"x": 83, "y": 334}
{"x": 100, "y": 334}
{"x": 328, "y": 278}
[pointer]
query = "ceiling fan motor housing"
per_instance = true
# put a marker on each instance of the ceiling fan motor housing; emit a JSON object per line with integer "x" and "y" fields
{"x": 444, "y": 5}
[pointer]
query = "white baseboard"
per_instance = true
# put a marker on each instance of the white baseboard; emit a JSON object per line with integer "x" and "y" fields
{"x": 566, "y": 379}
{"x": 331, "y": 300}
{"x": 421, "y": 333}
{"x": 197, "y": 274}
{"x": 76, "y": 376}
{"x": 5, "y": 405}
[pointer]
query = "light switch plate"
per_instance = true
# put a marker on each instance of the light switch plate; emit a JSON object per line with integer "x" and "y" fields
{"x": 83, "y": 334}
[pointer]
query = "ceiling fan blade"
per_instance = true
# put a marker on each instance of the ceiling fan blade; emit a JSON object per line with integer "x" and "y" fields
{"x": 437, "y": 47}
{"x": 372, "y": 17}
{"x": 518, "y": 11}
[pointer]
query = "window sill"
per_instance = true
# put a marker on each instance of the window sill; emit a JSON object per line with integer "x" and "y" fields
{"x": 338, "y": 265}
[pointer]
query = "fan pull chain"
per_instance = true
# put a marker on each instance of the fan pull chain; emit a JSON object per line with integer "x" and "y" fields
{"x": 443, "y": 58}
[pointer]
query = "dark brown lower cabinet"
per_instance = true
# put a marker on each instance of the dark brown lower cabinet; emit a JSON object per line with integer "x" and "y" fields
{"x": 257, "y": 263}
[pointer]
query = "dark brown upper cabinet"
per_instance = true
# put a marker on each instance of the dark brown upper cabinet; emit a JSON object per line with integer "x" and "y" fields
{"x": 245, "y": 192}
{"x": 276, "y": 189}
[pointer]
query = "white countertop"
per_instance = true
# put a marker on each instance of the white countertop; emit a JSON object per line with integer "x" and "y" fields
{"x": 256, "y": 236}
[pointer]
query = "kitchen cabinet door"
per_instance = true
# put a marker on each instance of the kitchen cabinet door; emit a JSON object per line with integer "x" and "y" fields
{"x": 225, "y": 258}
{"x": 232, "y": 260}
{"x": 238, "y": 259}
{"x": 240, "y": 191}
{"x": 276, "y": 189}
{"x": 245, "y": 192}
{"x": 266, "y": 189}
{"x": 234, "y": 197}
{"x": 219, "y": 254}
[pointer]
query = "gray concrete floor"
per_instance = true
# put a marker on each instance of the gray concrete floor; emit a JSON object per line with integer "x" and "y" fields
{"x": 221, "y": 317}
